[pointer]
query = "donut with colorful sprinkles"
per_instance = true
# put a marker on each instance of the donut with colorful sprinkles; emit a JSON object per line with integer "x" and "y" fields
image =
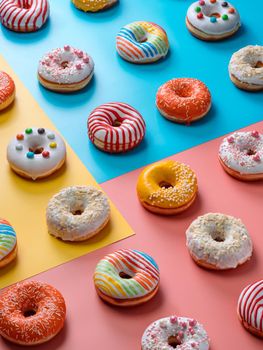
{"x": 175, "y": 332}
{"x": 241, "y": 155}
{"x": 7, "y": 90}
{"x": 31, "y": 313}
{"x": 8, "y": 243}
{"x": 116, "y": 127}
{"x": 36, "y": 153}
{"x": 212, "y": 19}
{"x": 127, "y": 277}
{"x": 142, "y": 42}
{"x": 93, "y": 5}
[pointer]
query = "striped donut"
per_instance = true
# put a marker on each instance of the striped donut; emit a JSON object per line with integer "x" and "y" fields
{"x": 115, "y": 127}
{"x": 126, "y": 277}
{"x": 24, "y": 15}
{"x": 8, "y": 243}
{"x": 142, "y": 42}
{"x": 250, "y": 308}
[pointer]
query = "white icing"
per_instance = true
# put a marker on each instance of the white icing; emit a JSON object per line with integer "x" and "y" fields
{"x": 79, "y": 66}
{"x": 61, "y": 220}
{"x": 193, "y": 335}
{"x": 234, "y": 249}
{"x": 37, "y": 166}
{"x": 235, "y": 153}
{"x": 243, "y": 62}
{"x": 221, "y": 26}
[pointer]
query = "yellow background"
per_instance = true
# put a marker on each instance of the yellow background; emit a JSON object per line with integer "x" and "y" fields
{"x": 23, "y": 202}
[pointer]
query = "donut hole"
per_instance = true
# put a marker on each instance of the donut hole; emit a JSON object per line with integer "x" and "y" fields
{"x": 125, "y": 275}
{"x": 184, "y": 91}
{"x": 164, "y": 184}
{"x": 77, "y": 209}
{"x": 173, "y": 341}
{"x": 29, "y": 312}
{"x": 218, "y": 236}
{"x": 64, "y": 64}
{"x": 116, "y": 123}
{"x": 251, "y": 152}
{"x": 36, "y": 149}
{"x": 215, "y": 14}
{"x": 142, "y": 39}
{"x": 259, "y": 64}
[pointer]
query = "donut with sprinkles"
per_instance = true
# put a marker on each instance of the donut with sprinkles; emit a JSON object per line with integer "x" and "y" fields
{"x": 7, "y": 90}
{"x": 8, "y": 243}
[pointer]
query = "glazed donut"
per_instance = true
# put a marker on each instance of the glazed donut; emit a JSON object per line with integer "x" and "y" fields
{"x": 167, "y": 187}
{"x": 8, "y": 243}
{"x": 77, "y": 213}
{"x": 93, "y": 5}
{"x": 7, "y": 90}
{"x": 65, "y": 69}
{"x": 183, "y": 100}
{"x": 36, "y": 153}
{"x": 241, "y": 155}
{"x": 126, "y": 278}
{"x": 31, "y": 313}
{"x": 218, "y": 242}
{"x": 142, "y": 42}
{"x": 212, "y": 19}
{"x": 24, "y": 15}
{"x": 175, "y": 332}
{"x": 115, "y": 127}
{"x": 246, "y": 68}
{"x": 250, "y": 308}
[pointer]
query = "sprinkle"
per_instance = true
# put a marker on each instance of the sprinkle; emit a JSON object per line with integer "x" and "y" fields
{"x": 213, "y": 19}
{"x": 45, "y": 154}
{"x": 224, "y": 17}
{"x": 50, "y": 56}
{"x": 30, "y": 155}
{"x": 78, "y": 66}
{"x": 193, "y": 345}
{"x": 53, "y": 145}
{"x": 192, "y": 331}
{"x": 80, "y": 54}
{"x": 200, "y": 15}
{"x": 173, "y": 319}
{"x": 230, "y": 139}
{"x": 19, "y": 147}
{"x": 256, "y": 158}
{"x": 86, "y": 59}
{"x": 20, "y": 137}
{"x": 67, "y": 48}
{"x": 41, "y": 131}
{"x": 198, "y": 9}
{"x": 255, "y": 134}
{"x": 28, "y": 131}
{"x": 224, "y": 4}
{"x": 184, "y": 324}
{"x": 51, "y": 136}
{"x": 192, "y": 323}
{"x": 202, "y": 2}
{"x": 180, "y": 334}
{"x": 231, "y": 10}
{"x": 213, "y": 1}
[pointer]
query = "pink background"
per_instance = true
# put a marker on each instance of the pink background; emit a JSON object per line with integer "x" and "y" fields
{"x": 186, "y": 289}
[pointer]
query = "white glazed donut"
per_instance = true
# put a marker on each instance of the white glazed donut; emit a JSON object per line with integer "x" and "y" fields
{"x": 217, "y": 241}
{"x": 175, "y": 332}
{"x": 250, "y": 308}
{"x": 65, "y": 69}
{"x": 212, "y": 19}
{"x": 115, "y": 127}
{"x": 77, "y": 213}
{"x": 24, "y": 15}
{"x": 36, "y": 153}
{"x": 241, "y": 155}
{"x": 246, "y": 68}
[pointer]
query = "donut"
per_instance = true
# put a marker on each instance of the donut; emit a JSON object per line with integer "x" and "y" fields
{"x": 93, "y": 5}
{"x": 212, "y": 19}
{"x": 24, "y": 15}
{"x": 77, "y": 213}
{"x": 175, "y": 332}
{"x": 36, "y": 153}
{"x": 241, "y": 155}
{"x": 142, "y": 42}
{"x": 127, "y": 277}
{"x": 65, "y": 69}
{"x": 250, "y": 308}
{"x": 218, "y": 241}
{"x": 115, "y": 127}
{"x": 167, "y": 187}
{"x": 7, "y": 90}
{"x": 8, "y": 243}
{"x": 31, "y": 313}
{"x": 246, "y": 68}
{"x": 183, "y": 100}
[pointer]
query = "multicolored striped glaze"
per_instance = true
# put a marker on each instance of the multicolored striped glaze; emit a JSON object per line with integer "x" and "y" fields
{"x": 142, "y": 269}
{"x": 142, "y": 42}
{"x": 7, "y": 238}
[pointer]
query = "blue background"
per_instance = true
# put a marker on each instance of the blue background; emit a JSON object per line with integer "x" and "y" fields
{"x": 117, "y": 80}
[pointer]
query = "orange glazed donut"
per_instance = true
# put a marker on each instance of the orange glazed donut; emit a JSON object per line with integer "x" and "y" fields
{"x": 31, "y": 313}
{"x": 167, "y": 187}
{"x": 183, "y": 100}
{"x": 7, "y": 90}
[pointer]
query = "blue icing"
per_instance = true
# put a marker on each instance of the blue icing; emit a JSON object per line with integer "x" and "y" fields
{"x": 147, "y": 257}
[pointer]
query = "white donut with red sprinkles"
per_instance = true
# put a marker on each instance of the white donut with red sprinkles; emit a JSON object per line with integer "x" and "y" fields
{"x": 24, "y": 15}
{"x": 116, "y": 127}
{"x": 65, "y": 69}
{"x": 241, "y": 155}
{"x": 175, "y": 332}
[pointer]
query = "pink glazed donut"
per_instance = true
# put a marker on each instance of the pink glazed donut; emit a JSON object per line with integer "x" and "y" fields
{"x": 24, "y": 15}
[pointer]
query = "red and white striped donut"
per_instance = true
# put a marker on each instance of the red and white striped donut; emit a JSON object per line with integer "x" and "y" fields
{"x": 115, "y": 127}
{"x": 24, "y": 15}
{"x": 250, "y": 308}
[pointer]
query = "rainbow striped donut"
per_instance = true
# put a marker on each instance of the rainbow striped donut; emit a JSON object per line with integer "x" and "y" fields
{"x": 24, "y": 15}
{"x": 127, "y": 277}
{"x": 7, "y": 242}
{"x": 250, "y": 308}
{"x": 142, "y": 42}
{"x": 115, "y": 127}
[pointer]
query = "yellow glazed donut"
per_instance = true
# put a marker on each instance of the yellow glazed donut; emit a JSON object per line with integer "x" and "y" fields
{"x": 93, "y": 5}
{"x": 167, "y": 187}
